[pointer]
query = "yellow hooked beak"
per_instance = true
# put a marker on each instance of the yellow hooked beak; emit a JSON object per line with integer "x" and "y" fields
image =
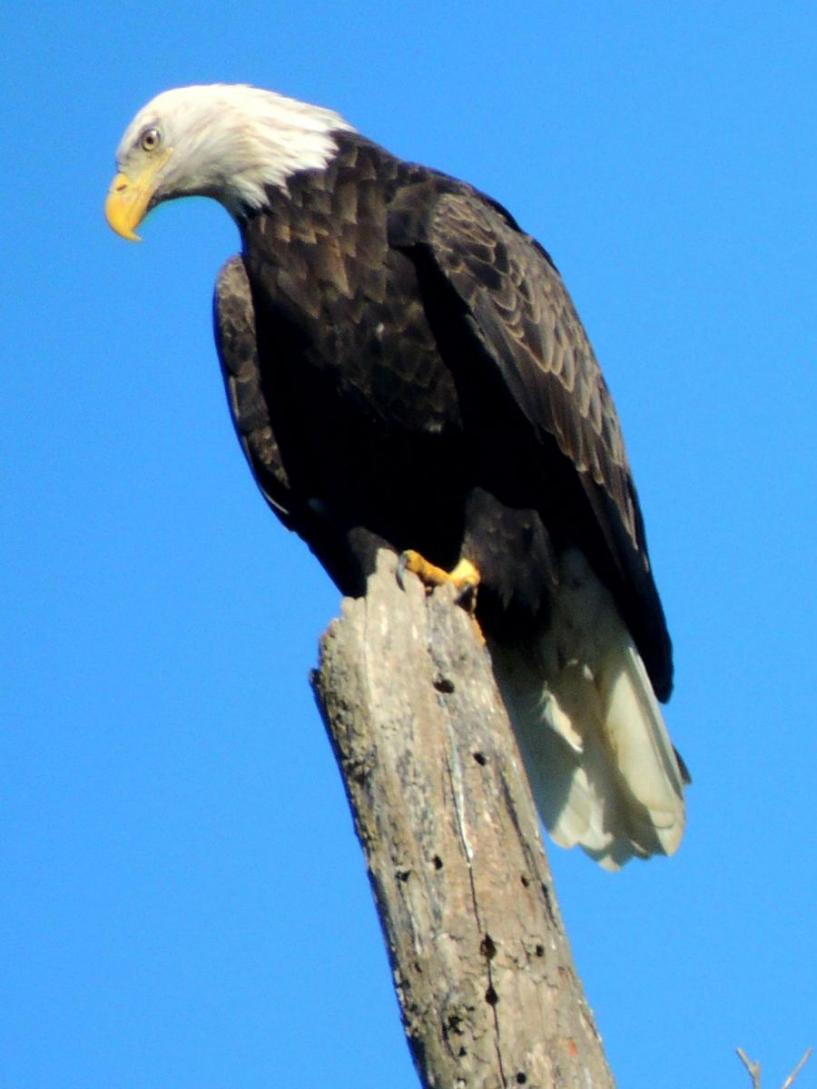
{"x": 129, "y": 198}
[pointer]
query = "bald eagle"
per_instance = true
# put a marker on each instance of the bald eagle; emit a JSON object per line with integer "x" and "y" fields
{"x": 405, "y": 369}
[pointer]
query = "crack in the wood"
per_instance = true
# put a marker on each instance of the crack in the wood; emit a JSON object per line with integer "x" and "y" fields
{"x": 530, "y": 854}
{"x": 493, "y": 1001}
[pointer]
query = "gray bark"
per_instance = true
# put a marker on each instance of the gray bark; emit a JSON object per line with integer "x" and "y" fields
{"x": 482, "y": 967}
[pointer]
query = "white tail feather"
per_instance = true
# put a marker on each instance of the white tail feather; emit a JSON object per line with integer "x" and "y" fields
{"x": 600, "y": 762}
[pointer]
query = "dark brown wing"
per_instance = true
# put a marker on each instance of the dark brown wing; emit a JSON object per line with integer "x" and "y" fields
{"x": 237, "y": 345}
{"x": 339, "y": 549}
{"x": 525, "y": 320}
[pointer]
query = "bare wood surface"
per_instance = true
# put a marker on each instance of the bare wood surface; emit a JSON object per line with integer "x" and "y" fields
{"x": 482, "y": 968}
{"x": 753, "y": 1068}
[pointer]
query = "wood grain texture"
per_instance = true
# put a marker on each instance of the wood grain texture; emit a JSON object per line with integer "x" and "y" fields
{"x": 482, "y": 967}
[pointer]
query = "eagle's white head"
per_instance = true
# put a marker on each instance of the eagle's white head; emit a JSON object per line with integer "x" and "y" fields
{"x": 226, "y": 141}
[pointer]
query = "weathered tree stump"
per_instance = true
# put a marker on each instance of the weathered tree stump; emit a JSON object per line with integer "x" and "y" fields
{"x": 482, "y": 967}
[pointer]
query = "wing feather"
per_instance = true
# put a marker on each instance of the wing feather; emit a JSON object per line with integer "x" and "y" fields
{"x": 519, "y": 309}
{"x": 237, "y": 346}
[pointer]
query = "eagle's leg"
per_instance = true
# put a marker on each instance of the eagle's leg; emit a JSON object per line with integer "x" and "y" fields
{"x": 465, "y": 577}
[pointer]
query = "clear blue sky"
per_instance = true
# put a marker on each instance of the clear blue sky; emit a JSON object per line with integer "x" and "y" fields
{"x": 183, "y": 903}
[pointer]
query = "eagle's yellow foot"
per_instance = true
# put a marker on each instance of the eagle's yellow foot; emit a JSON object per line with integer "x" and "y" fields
{"x": 465, "y": 577}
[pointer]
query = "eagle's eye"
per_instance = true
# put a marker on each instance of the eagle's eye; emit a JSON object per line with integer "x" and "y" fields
{"x": 150, "y": 139}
